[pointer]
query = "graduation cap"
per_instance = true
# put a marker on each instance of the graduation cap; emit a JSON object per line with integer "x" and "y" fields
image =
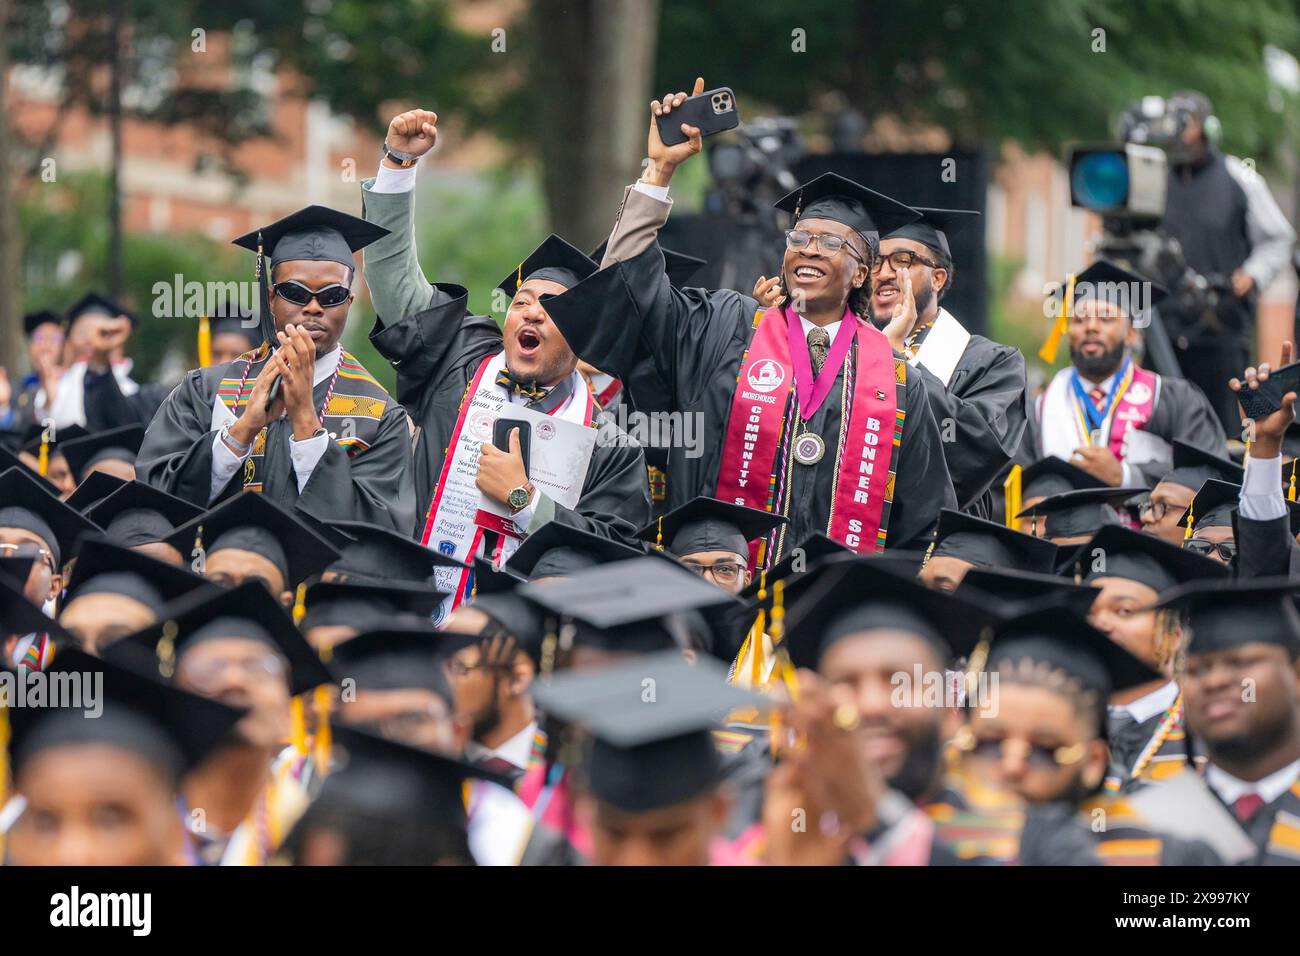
{"x": 247, "y": 612}
{"x": 558, "y": 550}
{"x": 989, "y": 544}
{"x": 810, "y": 552}
{"x": 555, "y": 260}
{"x": 646, "y": 755}
{"x": 1194, "y": 466}
{"x": 1118, "y": 552}
{"x": 16, "y": 562}
{"x": 96, "y": 486}
{"x": 1105, "y": 281}
{"x": 1214, "y": 506}
{"x": 866, "y": 594}
{"x": 636, "y": 605}
{"x": 1081, "y": 512}
{"x": 1053, "y": 476}
{"x": 392, "y": 659}
{"x": 1228, "y": 613}
{"x": 36, "y": 436}
{"x": 831, "y": 196}
{"x": 935, "y": 226}
{"x": 170, "y": 727}
{"x": 116, "y": 444}
{"x": 1045, "y": 634}
{"x": 1024, "y": 587}
{"x": 9, "y": 460}
{"x": 231, "y": 318}
{"x": 20, "y": 616}
{"x": 106, "y": 568}
{"x": 490, "y": 580}
{"x": 251, "y": 522}
{"x": 707, "y": 524}
{"x": 92, "y": 304}
{"x": 27, "y": 503}
{"x": 678, "y": 266}
{"x": 315, "y": 234}
{"x": 34, "y": 320}
{"x": 135, "y": 513}
{"x": 512, "y": 614}
{"x": 377, "y": 553}
{"x": 361, "y": 603}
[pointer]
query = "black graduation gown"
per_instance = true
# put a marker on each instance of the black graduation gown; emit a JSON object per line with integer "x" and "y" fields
{"x": 1275, "y": 829}
{"x": 628, "y": 316}
{"x": 436, "y": 352}
{"x": 107, "y": 407}
{"x": 373, "y": 484}
{"x": 1181, "y": 413}
{"x": 985, "y": 403}
{"x": 1266, "y": 548}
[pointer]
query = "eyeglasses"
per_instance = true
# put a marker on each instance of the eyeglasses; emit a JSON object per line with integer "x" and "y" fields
{"x": 902, "y": 260}
{"x": 28, "y": 551}
{"x": 1227, "y": 550}
{"x": 206, "y": 675}
{"x": 1156, "y": 509}
{"x": 1036, "y": 756}
{"x": 724, "y": 572}
{"x": 294, "y": 291}
{"x": 826, "y": 244}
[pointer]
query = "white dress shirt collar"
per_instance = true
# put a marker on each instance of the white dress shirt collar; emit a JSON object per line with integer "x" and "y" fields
{"x": 1156, "y": 702}
{"x": 1230, "y": 788}
{"x": 514, "y": 751}
{"x": 831, "y": 327}
{"x": 326, "y": 364}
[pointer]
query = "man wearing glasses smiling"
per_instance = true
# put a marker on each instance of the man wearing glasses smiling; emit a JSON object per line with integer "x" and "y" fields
{"x": 299, "y": 418}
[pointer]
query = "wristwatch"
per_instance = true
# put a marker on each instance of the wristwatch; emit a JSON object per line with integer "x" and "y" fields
{"x": 405, "y": 160}
{"x": 519, "y": 497}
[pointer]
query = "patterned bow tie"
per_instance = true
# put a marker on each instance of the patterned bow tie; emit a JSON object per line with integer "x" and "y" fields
{"x": 819, "y": 341}
{"x": 530, "y": 390}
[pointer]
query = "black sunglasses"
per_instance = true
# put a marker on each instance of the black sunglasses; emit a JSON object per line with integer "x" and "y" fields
{"x": 293, "y": 291}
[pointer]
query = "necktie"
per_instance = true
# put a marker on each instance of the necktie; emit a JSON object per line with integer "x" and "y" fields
{"x": 1098, "y": 396}
{"x": 819, "y": 342}
{"x": 1245, "y": 806}
{"x": 540, "y": 398}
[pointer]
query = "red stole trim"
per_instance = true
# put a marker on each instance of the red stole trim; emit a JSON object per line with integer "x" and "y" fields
{"x": 755, "y": 431}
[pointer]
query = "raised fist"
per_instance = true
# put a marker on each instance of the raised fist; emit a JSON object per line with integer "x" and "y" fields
{"x": 414, "y": 132}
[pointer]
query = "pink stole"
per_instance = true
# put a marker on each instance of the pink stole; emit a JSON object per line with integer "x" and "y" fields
{"x": 764, "y": 410}
{"x": 1133, "y": 409}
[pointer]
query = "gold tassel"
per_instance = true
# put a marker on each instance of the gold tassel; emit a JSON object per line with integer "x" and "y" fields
{"x": 1011, "y": 497}
{"x": 298, "y": 725}
{"x": 324, "y": 742}
{"x": 1191, "y": 520}
{"x": 205, "y": 342}
{"x": 1290, "y": 491}
{"x": 1048, "y": 352}
{"x": 166, "y": 650}
{"x": 299, "y": 604}
{"x": 43, "y": 456}
{"x": 659, "y": 533}
{"x": 519, "y": 276}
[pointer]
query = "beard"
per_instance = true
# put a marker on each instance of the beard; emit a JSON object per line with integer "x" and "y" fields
{"x": 924, "y": 296}
{"x": 920, "y": 768}
{"x": 1244, "y": 747}
{"x": 1099, "y": 367}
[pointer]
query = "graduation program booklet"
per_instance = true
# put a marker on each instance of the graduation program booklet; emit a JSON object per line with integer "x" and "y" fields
{"x": 560, "y": 456}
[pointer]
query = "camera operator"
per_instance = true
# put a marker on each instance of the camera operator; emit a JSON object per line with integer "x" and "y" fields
{"x": 1233, "y": 234}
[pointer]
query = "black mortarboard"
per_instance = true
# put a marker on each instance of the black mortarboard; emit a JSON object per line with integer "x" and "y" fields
{"x": 490, "y": 580}
{"x": 251, "y": 522}
{"x": 1107, "y": 282}
{"x": 365, "y": 604}
{"x": 831, "y": 196}
{"x": 117, "y": 444}
{"x": 1046, "y": 634}
{"x": 314, "y": 233}
{"x": 103, "y": 566}
{"x": 9, "y": 460}
{"x": 1052, "y": 476}
{"x": 97, "y": 486}
{"x": 381, "y": 554}
{"x": 651, "y": 721}
{"x": 231, "y": 318}
{"x": 1003, "y": 588}
{"x": 557, "y": 550}
{"x": 25, "y": 502}
{"x": 934, "y": 227}
{"x": 991, "y": 545}
{"x": 1194, "y": 466}
{"x": 811, "y": 551}
{"x": 707, "y": 524}
{"x": 171, "y": 728}
{"x": 554, "y": 259}
{"x": 34, "y": 320}
{"x": 67, "y": 433}
{"x": 1080, "y": 512}
{"x": 1117, "y": 552}
{"x": 678, "y": 266}
{"x": 1213, "y": 506}
{"x": 635, "y": 605}
{"x": 863, "y": 594}
{"x": 20, "y": 616}
{"x": 92, "y": 303}
{"x": 392, "y": 659}
{"x": 248, "y": 612}
{"x": 16, "y": 562}
{"x": 136, "y": 513}
{"x": 1229, "y": 613}
{"x": 381, "y": 780}
{"x": 513, "y": 614}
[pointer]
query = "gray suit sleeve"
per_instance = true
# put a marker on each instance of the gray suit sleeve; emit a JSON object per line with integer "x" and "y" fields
{"x": 398, "y": 286}
{"x": 1271, "y": 236}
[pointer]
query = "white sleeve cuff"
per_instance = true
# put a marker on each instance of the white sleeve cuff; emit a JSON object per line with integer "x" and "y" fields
{"x": 1261, "y": 491}
{"x": 306, "y": 454}
{"x": 224, "y": 465}
{"x": 524, "y": 516}
{"x": 651, "y": 190}
{"x": 1130, "y": 477}
{"x": 389, "y": 180}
